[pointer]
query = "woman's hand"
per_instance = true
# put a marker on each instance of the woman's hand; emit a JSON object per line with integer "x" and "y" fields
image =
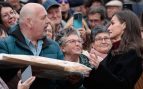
{"x": 26, "y": 84}
{"x": 94, "y": 60}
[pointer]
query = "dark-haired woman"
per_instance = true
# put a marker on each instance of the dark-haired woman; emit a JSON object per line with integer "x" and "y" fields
{"x": 8, "y": 17}
{"x": 123, "y": 65}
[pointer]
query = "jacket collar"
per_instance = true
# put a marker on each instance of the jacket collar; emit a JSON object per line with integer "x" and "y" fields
{"x": 116, "y": 45}
{"x": 19, "y": 36}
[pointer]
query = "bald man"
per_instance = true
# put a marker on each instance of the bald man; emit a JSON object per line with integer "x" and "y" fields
{"x": 29, "y": 38}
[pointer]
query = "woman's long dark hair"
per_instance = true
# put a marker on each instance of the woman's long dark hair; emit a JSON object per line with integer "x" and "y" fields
{"x": 131, "y": 38}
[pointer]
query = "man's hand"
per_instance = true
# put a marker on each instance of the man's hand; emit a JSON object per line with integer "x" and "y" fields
{"x": 26, "y": 84}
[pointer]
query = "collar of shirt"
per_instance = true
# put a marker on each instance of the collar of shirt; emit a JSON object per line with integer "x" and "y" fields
{"x": 35, "y": 50}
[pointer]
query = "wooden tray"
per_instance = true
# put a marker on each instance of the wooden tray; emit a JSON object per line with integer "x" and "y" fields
{"x": 45, "y": 67}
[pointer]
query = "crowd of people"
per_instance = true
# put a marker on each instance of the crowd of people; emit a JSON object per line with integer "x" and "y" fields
{"x": 109, "y": 41}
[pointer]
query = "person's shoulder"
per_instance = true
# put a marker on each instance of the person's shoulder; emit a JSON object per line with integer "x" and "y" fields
{"x": 52, "y": 43}
{"x": 7, "y": 42}
{"x": 8, "y": 38}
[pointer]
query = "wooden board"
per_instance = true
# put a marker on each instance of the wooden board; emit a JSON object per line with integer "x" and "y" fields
{"x": 46, "y": 66}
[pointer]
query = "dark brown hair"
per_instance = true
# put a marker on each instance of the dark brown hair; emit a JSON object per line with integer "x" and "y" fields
{"x": 131, "y": 38}
{"x": 100, "y": 10}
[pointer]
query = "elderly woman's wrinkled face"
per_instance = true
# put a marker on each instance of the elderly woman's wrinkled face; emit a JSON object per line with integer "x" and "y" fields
{"x": 102, "y": 43}
{"x": 8, "y": 16}
{"x": 72, "y": 45}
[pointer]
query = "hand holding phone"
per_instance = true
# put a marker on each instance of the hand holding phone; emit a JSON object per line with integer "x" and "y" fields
{"x": 26, "y": 84}
{"x": 26, "y": 74}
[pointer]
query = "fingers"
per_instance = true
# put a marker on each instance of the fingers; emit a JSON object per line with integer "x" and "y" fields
{"x": 30, "y": 80}
{"x": 26, "y": 84}
{"x": 19, "y": 83}
{"x": 95, "y": 64}
{"x": 93, "y": 59}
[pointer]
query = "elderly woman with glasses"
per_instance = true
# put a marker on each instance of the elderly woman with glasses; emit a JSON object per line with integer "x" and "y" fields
{"x": 100, "y": 42}
{"x": 71, "y": 45}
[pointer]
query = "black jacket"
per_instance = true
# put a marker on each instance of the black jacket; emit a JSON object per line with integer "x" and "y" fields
{"x": 116, "y": 72}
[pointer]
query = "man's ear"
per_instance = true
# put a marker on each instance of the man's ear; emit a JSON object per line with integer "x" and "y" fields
{"x": 124, "y": 25}
{"x": 29, "y": 22}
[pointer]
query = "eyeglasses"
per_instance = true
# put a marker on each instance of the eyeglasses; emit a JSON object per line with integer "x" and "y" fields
{"x": 61, "y": 1}
{"x": 7, "y": 15}
{"x": 74, "y": 41}
{"x": 101, "y": 39}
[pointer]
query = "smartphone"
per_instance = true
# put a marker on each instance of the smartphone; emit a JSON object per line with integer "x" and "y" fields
{"x": 27, "y": 73}
{"x": 77, "y": 20}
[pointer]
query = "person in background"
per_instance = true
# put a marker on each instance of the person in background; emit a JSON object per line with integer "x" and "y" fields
{"x": 71, "y": 46}
{"x": 112, "y": 7}
{"x": 85, "y": 8}
{"x": 51, "y": 31}
{"x": 123, "y": 65}
{"x": 100, "y": 42}
{"x": 15, "y": 4}
{"x": 65, "y": 9}
{"x": 96, "y": 16}
{"x": 135, "y": 5}
{"x": 54, "y": 14}
{"x": 97, "y": 3}
{"x": 8, "y": 17}
{"x": 84, "y": 32}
